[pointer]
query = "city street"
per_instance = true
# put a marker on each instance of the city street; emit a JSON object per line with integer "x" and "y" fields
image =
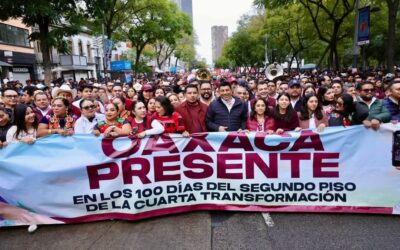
{"x": 216, "y": 230}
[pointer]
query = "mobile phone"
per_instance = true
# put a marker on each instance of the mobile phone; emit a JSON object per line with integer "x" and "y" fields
{"x": 396, "y": 149}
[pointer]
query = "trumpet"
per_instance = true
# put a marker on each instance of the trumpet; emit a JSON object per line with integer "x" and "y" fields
{"x": 273, "y": 71}
{"x": 203, "y": 75}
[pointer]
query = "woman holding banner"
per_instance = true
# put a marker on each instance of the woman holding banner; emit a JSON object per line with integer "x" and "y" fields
{"x": 25, "y": 127}
{"x": 59, "y": 122}
{"x": 311, "y": 114}
{"x": 113, "y": 125}
{"x": 286, "y": 118}
{"x": 166, "y": 115}
{"x": 143, "y": 124}
{"x": 261, "y": 118}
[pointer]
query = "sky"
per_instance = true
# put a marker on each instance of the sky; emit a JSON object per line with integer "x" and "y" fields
{"x": 207, "y": 13}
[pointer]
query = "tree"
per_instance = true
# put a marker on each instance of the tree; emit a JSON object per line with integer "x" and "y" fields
{"x": 246, "y": 46}
{"x": 197, "y": 64}
{"x": 327, "y": 17}
{"x": 180, "y": 26}
{"x": 160, "y": 22}
{"x": 224, "y": 63}
{"x": 110, "y": 14}
{"x": 185, "y": 50}
{"x": 55, "y": 19}
{"x": 393, "y": 7}
{"x": 289, "y": 28}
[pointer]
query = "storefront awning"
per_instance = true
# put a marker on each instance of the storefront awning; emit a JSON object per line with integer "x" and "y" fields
{"x": 4, "y": 64}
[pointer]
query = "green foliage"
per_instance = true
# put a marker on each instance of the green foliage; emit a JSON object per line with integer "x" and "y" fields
{"x": 62, "y": 16}
{"x": 158, "y": 21}
{"x": 197, "y": 64}
{"x": 185, "y": 50}
{"x": 224, "y": 63}
{"x": 246, "y": 46}
{"x": 332, "y": 23}
{"x": 55, "y": 19}
{"x": 111, "y": 14}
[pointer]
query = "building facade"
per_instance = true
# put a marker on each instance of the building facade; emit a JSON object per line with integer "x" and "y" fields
{"x": 83, "y": 61}
{"x": 17, "y": 58}
{"x": 219, "y": 35}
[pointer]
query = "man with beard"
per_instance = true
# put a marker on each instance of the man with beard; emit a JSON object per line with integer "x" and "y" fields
{"x": 378, "y": 113}
{"x": 193, "y": 111}
{"x": 206, "y": 93}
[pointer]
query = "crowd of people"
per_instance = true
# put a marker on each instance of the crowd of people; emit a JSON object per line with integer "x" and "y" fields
{"x": 183, "y": 104}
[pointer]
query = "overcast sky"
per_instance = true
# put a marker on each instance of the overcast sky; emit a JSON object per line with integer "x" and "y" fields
{"x": 207, "y": 13}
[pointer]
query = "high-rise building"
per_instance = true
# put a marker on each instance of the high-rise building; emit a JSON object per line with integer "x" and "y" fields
{"x": 219, "y": 35}
{"x": 186, "y": 6}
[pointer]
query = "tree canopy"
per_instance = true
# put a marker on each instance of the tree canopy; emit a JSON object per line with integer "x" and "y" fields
{"x": 55, "y": 19}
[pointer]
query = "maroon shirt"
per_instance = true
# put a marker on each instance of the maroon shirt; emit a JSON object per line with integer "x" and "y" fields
{"x": 194, "y": 116}
{"x": 286, "y": 126}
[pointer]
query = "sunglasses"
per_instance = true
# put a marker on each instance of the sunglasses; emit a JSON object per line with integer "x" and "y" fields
{"x": 89, "y": 107}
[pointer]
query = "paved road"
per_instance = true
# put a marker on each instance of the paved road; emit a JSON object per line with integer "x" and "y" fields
{"x": 217, "y": 230}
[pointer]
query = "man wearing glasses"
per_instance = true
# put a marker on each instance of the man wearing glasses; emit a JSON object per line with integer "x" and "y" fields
{"x": 89, "y": 117}
{"x": 206, "y": 93}
{"x": 10, "y": 97}
{"x": 378, "y": 113}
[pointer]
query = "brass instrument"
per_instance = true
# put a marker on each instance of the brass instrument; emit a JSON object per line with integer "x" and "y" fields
{"x": 273, "y": 71}
{"x": 203, "y": 75}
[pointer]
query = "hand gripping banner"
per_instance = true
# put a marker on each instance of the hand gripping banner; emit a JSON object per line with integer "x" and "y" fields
{"x": 85, "y": 178}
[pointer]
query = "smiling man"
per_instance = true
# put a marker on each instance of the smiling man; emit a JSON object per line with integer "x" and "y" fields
{"x": 226, "y": 113}
{"x": 378, "y": 113}
{"x": 10, "y": 98}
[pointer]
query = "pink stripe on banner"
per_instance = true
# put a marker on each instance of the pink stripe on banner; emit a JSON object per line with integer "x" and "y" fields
{"x": 250, "y": 208}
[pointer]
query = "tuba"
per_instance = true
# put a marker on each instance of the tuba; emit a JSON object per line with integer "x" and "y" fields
{"x": 203, "y": 75}
{"x": 273, "y": 71}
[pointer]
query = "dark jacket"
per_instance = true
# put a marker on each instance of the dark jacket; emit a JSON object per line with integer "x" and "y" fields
{"x": 219, "y": 115}
{"x": 356, "y": 118}
{"x": 187, "y": 119}
{"x": 393, "y": 108}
